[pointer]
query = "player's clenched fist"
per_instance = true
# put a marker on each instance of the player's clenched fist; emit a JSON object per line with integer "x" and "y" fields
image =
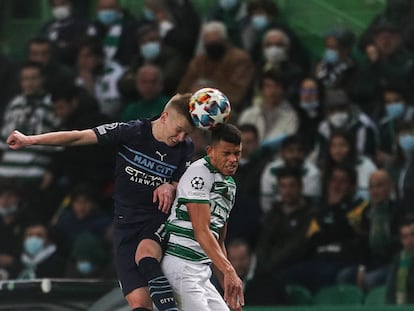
{"x": 17, "y": 140}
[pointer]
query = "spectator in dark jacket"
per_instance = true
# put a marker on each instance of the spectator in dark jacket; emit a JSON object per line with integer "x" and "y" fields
{"x": 116, "y": 28}
{"x": 40, "y": 257}
{"x": 64, "y": 28}
{"x": 82, "y": 214}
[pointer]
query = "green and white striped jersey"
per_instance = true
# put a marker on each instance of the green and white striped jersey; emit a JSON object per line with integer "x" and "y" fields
{"x": 201, "y": 183}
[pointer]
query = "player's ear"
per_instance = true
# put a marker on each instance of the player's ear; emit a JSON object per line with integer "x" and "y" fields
{"x": 164, "y": 116}
{"x": 209, "y": 149}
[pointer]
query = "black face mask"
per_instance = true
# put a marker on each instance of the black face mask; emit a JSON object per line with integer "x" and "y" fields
{"x": 215, "y": 51}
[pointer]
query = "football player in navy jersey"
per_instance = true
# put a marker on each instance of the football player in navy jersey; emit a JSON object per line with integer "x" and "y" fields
{"x": 152, "y": 155}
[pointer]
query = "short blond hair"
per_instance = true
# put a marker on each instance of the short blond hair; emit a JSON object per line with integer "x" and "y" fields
{"x": 180, "y": 104}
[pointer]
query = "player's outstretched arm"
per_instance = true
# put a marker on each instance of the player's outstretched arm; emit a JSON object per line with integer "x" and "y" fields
{"x": 17, "y": 140}
{"x": 232, "y": 285}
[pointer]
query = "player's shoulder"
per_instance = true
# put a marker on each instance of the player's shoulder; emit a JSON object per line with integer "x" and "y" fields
{"x": 198, "y": 172}
{"x": 135, "y": 126}
{"x": 203, "y": 165}
{"x": 200, "y": 163}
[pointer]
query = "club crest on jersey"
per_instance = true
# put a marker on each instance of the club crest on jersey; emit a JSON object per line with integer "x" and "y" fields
{"x": 197, "y": 183}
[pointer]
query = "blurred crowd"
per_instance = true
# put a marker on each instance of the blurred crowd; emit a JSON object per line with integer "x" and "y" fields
{"x": 326, "y": 179}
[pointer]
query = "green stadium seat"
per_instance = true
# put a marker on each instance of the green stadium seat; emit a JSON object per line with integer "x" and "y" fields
{"x": 298, "y": 295}
{"x": 342, "y": 294}
{"x": 376, "y": 296}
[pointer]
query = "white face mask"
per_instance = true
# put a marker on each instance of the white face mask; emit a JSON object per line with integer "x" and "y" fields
{"x": 6, "y": 211}
{"x": 275, "y": 54}
{"x": 61, "y": 12}
{"x": 310, "y": 106}
{"x": 338, "y": 119}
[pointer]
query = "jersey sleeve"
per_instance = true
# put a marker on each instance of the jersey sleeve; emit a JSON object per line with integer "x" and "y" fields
{"x": 118, "y": 132}
{"x": 195, "y": 185}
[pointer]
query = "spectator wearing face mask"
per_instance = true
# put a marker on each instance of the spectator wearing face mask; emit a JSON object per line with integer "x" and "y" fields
{"x": 337, "y": 65}
{"x": 341, "y": 114}
{"x": 276, "y": 56}
{"x": 225, "y": 65}
{"x": 89, "y": 258}
{"x": 396, "y": 109}
{"x": 262, "y": 16}
{"x": 401, "y": 166}
{"x": 40, "y": 257}
{"x": 387, "y": 61}
{"x": 115, "y": 26}
{"x": 309, "y": 107}
{"x": 178, "y": 23}
{"x": 152, "y": 50}
{"x": 64, "y": 28}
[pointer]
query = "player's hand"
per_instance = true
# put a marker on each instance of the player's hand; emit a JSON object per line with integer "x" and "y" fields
{"x": 17, "y": 140}
{"x": 164, "y": 195}
{"x": 233, "y": 291}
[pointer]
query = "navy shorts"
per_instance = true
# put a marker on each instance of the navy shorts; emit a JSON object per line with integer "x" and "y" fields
{"x": 126, "y": 238}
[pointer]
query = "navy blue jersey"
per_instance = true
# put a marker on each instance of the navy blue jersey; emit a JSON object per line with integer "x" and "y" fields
{"x": 142, "y": 164}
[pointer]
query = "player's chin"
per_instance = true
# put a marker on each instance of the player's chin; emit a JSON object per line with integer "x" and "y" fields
{"x": 230, "y": 170}
{"x": 172, "y": 142}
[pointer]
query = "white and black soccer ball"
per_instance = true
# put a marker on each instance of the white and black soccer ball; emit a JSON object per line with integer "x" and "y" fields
{"x": 209, "y": 108}
{"x": 197, "y": 183}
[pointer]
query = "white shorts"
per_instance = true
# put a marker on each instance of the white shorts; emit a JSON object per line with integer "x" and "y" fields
{"x": 191, "y": 284}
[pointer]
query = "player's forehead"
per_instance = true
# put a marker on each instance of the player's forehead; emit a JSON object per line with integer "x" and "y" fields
{"x": 226, "y": 146}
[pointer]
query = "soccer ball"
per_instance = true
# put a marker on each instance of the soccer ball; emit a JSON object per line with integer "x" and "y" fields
{"x": 209, "y": 108}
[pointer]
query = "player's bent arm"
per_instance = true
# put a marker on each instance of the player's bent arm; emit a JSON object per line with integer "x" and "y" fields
{"x": 63, "y": 138}
{"x": 232, "y": 285}
{"x": 200, "y": 219}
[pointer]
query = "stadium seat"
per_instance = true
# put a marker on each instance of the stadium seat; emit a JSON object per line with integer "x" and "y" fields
{"x": 298, "y": 295}
{"x": 339, "y": 295}
{"x": 376, "y": 296}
